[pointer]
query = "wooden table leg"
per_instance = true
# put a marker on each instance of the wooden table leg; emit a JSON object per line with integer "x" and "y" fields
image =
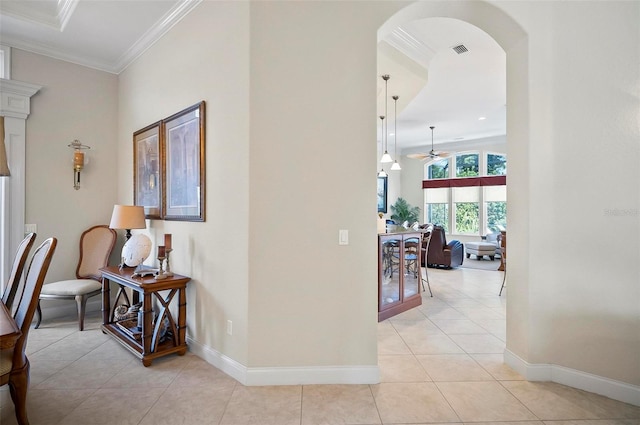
{"x": 106, "y": 300}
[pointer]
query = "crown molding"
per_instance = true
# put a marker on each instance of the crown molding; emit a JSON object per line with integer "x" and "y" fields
{"x": 164, "y": 24}
{"x": 411, "y": 46}
{"x": 154, "y": 33}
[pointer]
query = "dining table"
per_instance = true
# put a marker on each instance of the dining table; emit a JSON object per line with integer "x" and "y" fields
{"x": 9, "y": 330}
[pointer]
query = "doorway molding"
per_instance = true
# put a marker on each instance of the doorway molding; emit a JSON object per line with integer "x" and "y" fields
{"x": 15, "y": 106}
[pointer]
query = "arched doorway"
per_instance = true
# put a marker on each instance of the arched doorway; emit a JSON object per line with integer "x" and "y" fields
{"x": 513, "y": 40}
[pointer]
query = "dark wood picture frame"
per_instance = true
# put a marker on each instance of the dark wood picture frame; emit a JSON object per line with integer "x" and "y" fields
{"x": 183, "y": 191}
{"x": 382, "y": 194}
{"x": 148, "y": 170}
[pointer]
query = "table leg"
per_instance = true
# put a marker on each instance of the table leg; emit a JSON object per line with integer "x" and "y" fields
{"x": 106, "y": 305}
{"x": 147, "y": 327}
{"x": 182, "y": 316}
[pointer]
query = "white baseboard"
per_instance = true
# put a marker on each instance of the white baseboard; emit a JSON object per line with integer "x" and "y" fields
{"x": 611, "y": 388}
{"x": 286, "y": 375}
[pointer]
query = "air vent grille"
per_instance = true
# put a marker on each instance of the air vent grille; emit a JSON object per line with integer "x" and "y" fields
{"x": 460, "y": 49}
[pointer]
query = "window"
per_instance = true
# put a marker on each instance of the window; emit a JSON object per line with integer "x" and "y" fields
{"x": 496, "y": 164}
{"x": 467, "y": 165}
{"x": 495, "y": 198}
{"x": 438, "y": 170}
{"x": 437, "y": 207}
{"x": 467, "y": 211}
{"x": 474, "y": 201}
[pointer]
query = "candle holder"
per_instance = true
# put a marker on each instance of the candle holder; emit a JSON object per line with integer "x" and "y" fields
{"x": 161, "y": 274}
{"x": 168, "y": 271}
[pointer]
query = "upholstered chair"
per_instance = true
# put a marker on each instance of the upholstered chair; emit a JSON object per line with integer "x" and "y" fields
{"x": 443, "y": 254}
{"x": 96, "y": 245}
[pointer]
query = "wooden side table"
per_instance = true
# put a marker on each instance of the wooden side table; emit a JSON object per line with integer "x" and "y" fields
{"x": 146, "y": 343}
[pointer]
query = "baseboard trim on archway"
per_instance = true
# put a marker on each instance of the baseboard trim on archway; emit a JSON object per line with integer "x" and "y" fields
{"x": 304, "y": 375}
{"x": 611, "y": 388}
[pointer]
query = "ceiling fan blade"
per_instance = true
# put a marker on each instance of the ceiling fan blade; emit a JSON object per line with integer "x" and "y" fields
{"x": 418, "y": 155}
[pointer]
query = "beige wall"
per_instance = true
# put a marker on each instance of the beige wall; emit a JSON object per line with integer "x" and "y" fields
{"x": 74, "y": 103}
{"x": 204, "y": 57}
{"x": 313, "y": 302}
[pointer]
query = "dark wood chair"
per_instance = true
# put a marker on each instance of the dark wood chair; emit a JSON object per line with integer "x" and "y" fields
{"x": 96, "y": 244}
{"x": 14, "y": 364}
{"x": 16, "y": 270}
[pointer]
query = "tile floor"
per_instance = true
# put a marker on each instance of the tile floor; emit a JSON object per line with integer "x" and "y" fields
{"x": 440, "y": 363}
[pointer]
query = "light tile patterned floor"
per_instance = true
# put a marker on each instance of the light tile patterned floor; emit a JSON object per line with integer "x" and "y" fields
{"x": 440, "y": 363}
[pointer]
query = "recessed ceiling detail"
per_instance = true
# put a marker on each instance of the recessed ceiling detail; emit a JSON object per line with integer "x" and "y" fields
{"x": 51, "y": 13}
{"x": 105, "y": 35}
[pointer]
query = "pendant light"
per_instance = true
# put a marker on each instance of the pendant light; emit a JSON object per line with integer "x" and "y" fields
{"x": 386, "y": 158}
{"x": 395, "y": 166}
{"x": 382, "y": 172}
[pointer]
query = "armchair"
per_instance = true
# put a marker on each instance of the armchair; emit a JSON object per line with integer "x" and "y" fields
{"x": 443, "y": 254}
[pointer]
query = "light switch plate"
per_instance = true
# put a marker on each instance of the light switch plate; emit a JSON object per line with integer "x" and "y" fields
{"x": 30, "y": 228}
{"x": 343, "y": 237}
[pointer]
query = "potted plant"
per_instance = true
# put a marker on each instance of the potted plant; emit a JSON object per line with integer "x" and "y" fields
{"x": 402, "y": 211}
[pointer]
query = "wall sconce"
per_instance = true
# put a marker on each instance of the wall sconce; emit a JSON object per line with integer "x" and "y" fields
{"x": 78, "y": 161}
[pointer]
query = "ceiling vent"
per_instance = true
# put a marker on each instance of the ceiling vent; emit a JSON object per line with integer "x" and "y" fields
{"x": 460, "y": 49}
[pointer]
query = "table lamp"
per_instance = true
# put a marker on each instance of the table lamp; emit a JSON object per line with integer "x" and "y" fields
{"x": 135, "y": 250}
{"x": 127, "y": 217}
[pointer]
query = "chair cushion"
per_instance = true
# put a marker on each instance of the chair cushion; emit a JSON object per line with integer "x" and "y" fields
{"x": 71, "y": 287}
{"x": 6, "y": 360}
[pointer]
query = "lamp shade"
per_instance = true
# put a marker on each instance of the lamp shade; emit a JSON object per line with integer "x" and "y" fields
{"x": 127, "y": 217}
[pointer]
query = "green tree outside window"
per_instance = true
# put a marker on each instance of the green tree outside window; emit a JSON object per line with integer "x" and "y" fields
{"x": 467, "y": 214}
{"x": 438, "y": 214}
{"x": 467, "y": 165}
{"x": 496, "y": 165}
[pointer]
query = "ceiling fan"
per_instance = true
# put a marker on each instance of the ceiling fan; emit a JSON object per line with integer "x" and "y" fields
{"x": 432, "y": 155}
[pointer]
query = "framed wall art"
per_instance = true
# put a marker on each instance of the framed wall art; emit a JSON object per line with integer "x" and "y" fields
{"x": 147, "y": 170}
{"x": 382, "y": 194}
{"x": 183, "y": 148}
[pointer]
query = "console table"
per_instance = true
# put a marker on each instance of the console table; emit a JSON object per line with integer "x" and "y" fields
{"x": 146, "y": 342}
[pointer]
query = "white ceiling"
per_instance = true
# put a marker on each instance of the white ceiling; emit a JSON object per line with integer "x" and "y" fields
{"x": 436, "y": 85}
{"x": 458, "y": 89}
{"x": 106, "y": 35}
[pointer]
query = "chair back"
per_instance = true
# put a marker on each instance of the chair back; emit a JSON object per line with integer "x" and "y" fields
{"x": 412, "y": 248}
{"x": 16, "y": 270}
{"x": 28, "y": 299}
{"x": 96, "y": 244}
{"x": 438, "y": 238}
{"x": 502, "y": 240}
